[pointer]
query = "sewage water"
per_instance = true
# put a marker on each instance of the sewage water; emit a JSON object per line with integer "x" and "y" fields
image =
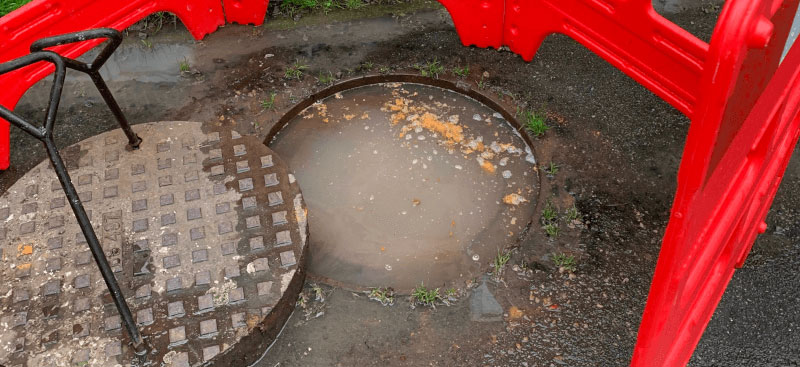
{"x": 408, "y": 183}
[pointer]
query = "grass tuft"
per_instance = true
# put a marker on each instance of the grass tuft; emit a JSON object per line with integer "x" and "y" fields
{"x": 535, "y": 123}
{"x": 550, "y": 220}
{"x": 431, "y": 69}
{"x": 551, "y": 169}
{"x": 269, "y": 103}
{"x": 461, "y": 72}
{"x": 184, "y": 66}
{"x": 383, "y": 295}
{"x": 551, "y": 230}
{"x": 500, "y": 262}
{"x": 565, "y": 261}
{"x": 7, "y": 6}
{"x": 572, "y": 214}
{"x": 425, "y": 297}
{"x": 325, "y": 78}
{"x": 295, "y": 71}
{"x": 549, "y": 213}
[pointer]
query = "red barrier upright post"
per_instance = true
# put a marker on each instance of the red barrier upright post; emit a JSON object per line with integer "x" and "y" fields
{"x": 737, "y": 149}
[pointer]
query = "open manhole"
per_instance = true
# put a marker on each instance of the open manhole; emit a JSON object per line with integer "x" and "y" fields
{"x": 407, "y": 182}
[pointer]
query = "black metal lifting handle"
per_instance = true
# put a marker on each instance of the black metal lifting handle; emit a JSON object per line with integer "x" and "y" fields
{"x": 93, "y": 68}
{"x": 45, "y": 135}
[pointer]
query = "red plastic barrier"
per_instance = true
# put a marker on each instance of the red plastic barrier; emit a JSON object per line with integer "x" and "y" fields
{"x": 744, "y": 111}
{"x": 43, "y": 18}
{"x": 739, "y": 144}
{"x": 245, "y": 11}
{"x": 478, "y": 22}
{"x": 744, "y": 129}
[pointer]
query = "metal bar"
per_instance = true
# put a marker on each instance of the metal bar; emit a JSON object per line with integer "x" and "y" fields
{"x": 133, "y": 140}
{"x": 92, "y": 69}
{"x": 45, "y": 135}
{"x": 94, "y": 245}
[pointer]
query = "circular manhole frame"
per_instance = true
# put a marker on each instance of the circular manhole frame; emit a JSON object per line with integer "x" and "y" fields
{"x": 460, "y": 87}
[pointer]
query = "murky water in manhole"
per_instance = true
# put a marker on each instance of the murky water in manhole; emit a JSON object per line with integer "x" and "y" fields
{"x": 408, "y": 183}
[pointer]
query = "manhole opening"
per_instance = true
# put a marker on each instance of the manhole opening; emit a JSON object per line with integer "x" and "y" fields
{"x": 408, "y": 180}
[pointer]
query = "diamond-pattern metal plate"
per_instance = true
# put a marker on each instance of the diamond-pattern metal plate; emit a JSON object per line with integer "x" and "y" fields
{"x": 205, "y": 231}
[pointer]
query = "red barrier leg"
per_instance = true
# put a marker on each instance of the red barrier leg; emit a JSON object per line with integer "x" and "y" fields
{"x": 246, "y": 11}
{"x": 478, "y": 22}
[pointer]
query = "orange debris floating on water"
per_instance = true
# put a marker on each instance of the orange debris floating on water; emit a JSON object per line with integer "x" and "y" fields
{"x": 488, "y": 167}
{"x": 514, "y": 199}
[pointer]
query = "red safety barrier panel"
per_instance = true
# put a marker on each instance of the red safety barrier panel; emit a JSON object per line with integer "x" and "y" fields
{"x": 739, "y": 143}
{"x": 744, "y": 128}
{"x": 478, "y": 22}
{"x": 744, "y": 109}
{"x": 42, "y": 18}
{"x": 246, "y": 11}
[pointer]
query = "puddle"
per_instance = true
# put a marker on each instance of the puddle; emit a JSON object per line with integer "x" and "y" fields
{"x": 408, "y": 183}
{"x": 152, "y": 63}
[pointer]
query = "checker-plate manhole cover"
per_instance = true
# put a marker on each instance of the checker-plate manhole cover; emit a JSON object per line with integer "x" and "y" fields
{"x": 205, "y": 231}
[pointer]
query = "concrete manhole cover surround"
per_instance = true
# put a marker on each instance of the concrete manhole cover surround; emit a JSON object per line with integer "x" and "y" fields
{"x": 205, "y": 230}
{"x": 407, "y": 183}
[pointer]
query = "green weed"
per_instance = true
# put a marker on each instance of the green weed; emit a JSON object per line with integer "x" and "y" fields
{"x": 535, "y": 123}
{"x": 551, "y": 230}
{"x": 383, "y": 295}
{"x": 7, "y": 6}
{"x": 572, "y": 214}
{"x": 325, "y": 78}
{"x": 431, "y": 69}
{"x": 353, "y": 4}
{"x": 367, "y": 65}
{"x": 500, "y": 262}
{"x": 461, "y": 72}
{"x": 295, "y": 71}
{"x": 551, "y": 169}
{"x": 294, "y": 7}
{"x": 565, "y": 261}
{"x": 184, "y": 66}
{"x": 549, "y": 220}
{"x": 269, "y": 103}
{"x": 424, "y": 296}
{"x": 549, "y": 213}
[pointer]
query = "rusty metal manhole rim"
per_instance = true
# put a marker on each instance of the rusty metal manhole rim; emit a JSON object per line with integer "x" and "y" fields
{"x": 460, "y": 87}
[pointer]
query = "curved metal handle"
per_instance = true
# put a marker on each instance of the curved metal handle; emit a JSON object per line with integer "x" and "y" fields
{"x": 113, "y": 35}
{"x": 93, "y": 68}
{"x": 55, "y": 92}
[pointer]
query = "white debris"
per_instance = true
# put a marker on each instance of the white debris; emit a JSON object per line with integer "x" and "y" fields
{"x": 529, "y": 158}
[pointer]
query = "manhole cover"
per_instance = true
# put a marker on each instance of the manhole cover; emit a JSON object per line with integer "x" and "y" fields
{"x": 205, "y": 231}
{"x": 408, "y": 183}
